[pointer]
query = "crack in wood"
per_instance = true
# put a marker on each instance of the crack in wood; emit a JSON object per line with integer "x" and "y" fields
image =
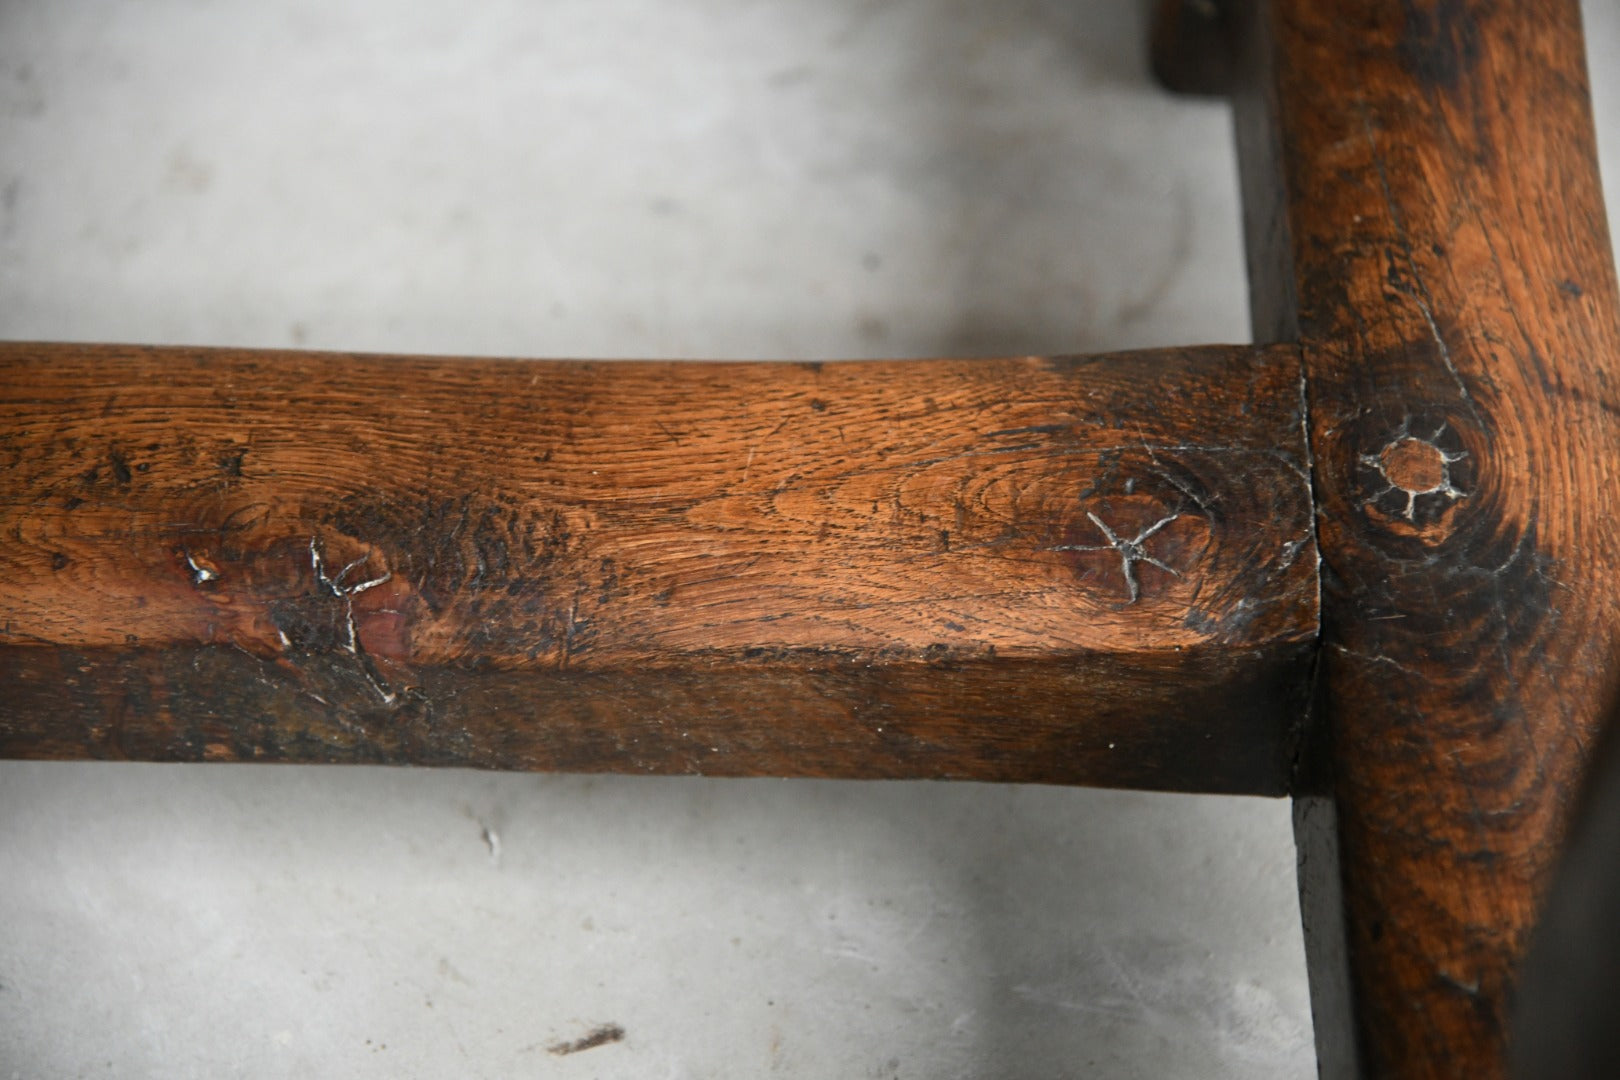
{"x": 1130, "y": 551}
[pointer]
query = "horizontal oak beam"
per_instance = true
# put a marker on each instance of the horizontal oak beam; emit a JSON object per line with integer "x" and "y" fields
{"x": 1087, "y": 570}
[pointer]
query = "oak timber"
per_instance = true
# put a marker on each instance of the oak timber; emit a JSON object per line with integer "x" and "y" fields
{"x": 1091, "y": 570}
{"x": 1424, "y": 217}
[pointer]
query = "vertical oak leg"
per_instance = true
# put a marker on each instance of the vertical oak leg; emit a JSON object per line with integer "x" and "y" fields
{"x": 1424, "y": 216}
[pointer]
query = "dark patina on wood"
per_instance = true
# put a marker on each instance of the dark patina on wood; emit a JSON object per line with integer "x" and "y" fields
{"x": 1424, "y": 216}
{"x": 1087, "y": 570}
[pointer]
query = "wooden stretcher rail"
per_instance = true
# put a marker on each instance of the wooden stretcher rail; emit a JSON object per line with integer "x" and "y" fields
{"x": 1085, "y": 570}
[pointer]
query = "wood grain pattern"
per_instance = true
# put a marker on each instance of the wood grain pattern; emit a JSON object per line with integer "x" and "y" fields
{"x": 1424, "y": 216}
{"x": 1090, "y": 570}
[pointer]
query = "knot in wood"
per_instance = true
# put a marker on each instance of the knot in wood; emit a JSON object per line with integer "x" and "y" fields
{"x": 1131, "y": 548}
{"x": 1414, "y": 465}
{"x": 1410, "y": 468}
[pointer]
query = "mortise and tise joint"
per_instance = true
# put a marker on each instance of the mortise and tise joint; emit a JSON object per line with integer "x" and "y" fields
{"x": 1130, "y": 551}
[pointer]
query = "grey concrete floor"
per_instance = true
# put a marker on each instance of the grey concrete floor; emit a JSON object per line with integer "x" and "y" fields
{"x": 614, "y": 178}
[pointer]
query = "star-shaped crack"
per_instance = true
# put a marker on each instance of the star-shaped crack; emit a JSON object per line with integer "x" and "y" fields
{"x": 334, "y": 586}
{"x": 1445, "y": 460}
{"x": 1130, "y": 551}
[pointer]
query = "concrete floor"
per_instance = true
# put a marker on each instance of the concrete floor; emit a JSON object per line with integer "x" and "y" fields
{"x": 708, "y": 178}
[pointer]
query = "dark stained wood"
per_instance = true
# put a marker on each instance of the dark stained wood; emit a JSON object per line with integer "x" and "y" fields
{"x": 1424, "y": 217}
{"x": 1093, "y": 570}
{"x": 1191, "y": 46}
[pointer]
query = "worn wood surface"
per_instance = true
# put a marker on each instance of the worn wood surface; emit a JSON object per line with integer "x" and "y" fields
{"x": 1424, "y": 216}
{"x": 1095, "y": 570}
